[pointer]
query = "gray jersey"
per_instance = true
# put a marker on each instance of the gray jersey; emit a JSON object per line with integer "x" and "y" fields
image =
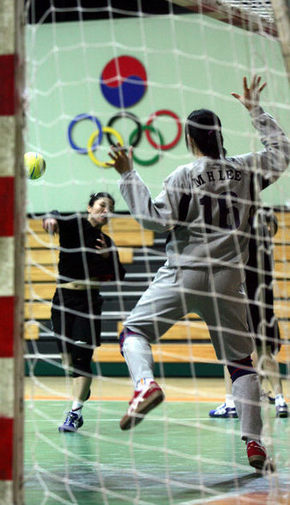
{"x": 206, "y": 204}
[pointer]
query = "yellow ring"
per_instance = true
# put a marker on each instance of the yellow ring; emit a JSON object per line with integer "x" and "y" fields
{"x": 106, "y": 129}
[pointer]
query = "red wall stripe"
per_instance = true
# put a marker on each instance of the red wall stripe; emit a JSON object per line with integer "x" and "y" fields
{"x": 7, "y": 88}
{"x": 6, "y": 326}
{"x": 7, "y": 207}
{"x": 6, "y": 448}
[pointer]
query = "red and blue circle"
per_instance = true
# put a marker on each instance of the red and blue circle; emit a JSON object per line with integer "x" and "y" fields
{"x": 123, "y": 81}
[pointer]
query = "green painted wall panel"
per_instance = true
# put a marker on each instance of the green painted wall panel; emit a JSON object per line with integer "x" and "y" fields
{"x": 191, "y": 62}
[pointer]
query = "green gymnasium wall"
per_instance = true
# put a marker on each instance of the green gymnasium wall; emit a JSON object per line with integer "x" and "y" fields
{"x": 191, "y": 62}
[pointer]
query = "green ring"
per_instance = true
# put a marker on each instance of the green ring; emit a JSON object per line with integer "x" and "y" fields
{"x": 146, "y": 163}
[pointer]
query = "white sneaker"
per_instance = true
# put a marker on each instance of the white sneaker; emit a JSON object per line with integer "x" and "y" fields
{"x": 223, "y": 411}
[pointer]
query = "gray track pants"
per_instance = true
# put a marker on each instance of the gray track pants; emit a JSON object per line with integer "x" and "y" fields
{"x": 218, "y": 298}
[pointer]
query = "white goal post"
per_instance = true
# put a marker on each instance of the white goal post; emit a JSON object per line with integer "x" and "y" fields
{"x": 12, "y": 228}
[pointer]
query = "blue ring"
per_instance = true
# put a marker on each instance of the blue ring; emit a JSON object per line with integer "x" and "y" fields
{"x": 80, "y": 117}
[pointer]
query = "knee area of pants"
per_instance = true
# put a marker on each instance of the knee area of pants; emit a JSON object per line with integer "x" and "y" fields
{"x": 81, "y": 368}
{"x": 124, "y": 336}
{"x": 241, "y": 367}
{"x": 81, "y": 362}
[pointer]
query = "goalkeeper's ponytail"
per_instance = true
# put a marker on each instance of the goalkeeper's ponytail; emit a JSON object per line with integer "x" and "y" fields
{"x": 204, "y": 127}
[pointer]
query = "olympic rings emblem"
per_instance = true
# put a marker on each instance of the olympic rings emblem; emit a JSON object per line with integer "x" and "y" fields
{"x": 135, "y": 136}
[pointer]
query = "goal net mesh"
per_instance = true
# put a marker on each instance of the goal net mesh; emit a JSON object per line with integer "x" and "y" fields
{"x": 102, "y": 72}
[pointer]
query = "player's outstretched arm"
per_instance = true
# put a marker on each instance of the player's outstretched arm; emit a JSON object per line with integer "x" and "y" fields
{"x": 251, "y": 96}
{"x": 122, "y": 158}
{"x": 275, "y": 156}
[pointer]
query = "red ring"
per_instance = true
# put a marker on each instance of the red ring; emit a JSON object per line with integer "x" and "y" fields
{"x": 163, "y": 112}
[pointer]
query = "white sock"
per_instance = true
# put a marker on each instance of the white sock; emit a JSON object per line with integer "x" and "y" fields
{"x": 230, "y": 401}
{"x": 258, "y": 441}
{"x": 142, "y": 383}
{"x": 279, "y": 400}
{"x": 138, "y": 355}
{"x": 77, "y": 407}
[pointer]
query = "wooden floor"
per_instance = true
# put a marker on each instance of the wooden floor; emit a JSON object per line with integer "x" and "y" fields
{"x": 120, "y": 388}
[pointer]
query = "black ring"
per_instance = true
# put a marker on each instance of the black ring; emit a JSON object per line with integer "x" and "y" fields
{"x": 128, "y": 115}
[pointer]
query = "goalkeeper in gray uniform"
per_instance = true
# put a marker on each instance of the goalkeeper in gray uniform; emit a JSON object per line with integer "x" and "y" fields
{"x": 205, "y": 205}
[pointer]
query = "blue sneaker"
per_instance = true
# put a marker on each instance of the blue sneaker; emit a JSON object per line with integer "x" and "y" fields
{"x": 72, "y": 423}
{"x": 223, "y": 411}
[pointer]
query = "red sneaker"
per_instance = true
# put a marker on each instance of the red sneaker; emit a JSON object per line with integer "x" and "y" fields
{"x": 141, "y": 403}
{"x": 256, "y": 454}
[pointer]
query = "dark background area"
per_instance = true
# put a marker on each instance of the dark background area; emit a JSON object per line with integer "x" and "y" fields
{"x": 59, "y": 11}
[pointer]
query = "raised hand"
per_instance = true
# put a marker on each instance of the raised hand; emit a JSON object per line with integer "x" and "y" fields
{"x": 251, "y": 96}
{"x": 50, "y": 225}
{"x": 122, "y": 161}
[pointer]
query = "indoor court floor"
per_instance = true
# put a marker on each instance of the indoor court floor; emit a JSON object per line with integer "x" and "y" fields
{"x": 176, "y": 456}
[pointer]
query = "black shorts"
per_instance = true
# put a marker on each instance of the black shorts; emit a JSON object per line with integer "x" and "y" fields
{"x": 75, "y": 316}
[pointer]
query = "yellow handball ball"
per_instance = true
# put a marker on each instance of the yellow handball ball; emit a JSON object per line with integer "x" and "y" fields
{"x": 34, "y": 165}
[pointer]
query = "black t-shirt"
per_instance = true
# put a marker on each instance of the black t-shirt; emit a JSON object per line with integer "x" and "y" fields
{"x": 78, "y": 258}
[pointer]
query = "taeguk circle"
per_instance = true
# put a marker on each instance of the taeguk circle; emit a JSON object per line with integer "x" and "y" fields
{"x": 123, "y": 81}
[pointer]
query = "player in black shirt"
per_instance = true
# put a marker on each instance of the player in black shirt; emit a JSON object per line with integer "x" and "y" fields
{"x": 262, "y": 320}
{"x": 87, "y": 257}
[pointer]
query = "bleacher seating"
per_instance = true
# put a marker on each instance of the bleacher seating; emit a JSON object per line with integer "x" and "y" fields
{"x": 186, "y": 341}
